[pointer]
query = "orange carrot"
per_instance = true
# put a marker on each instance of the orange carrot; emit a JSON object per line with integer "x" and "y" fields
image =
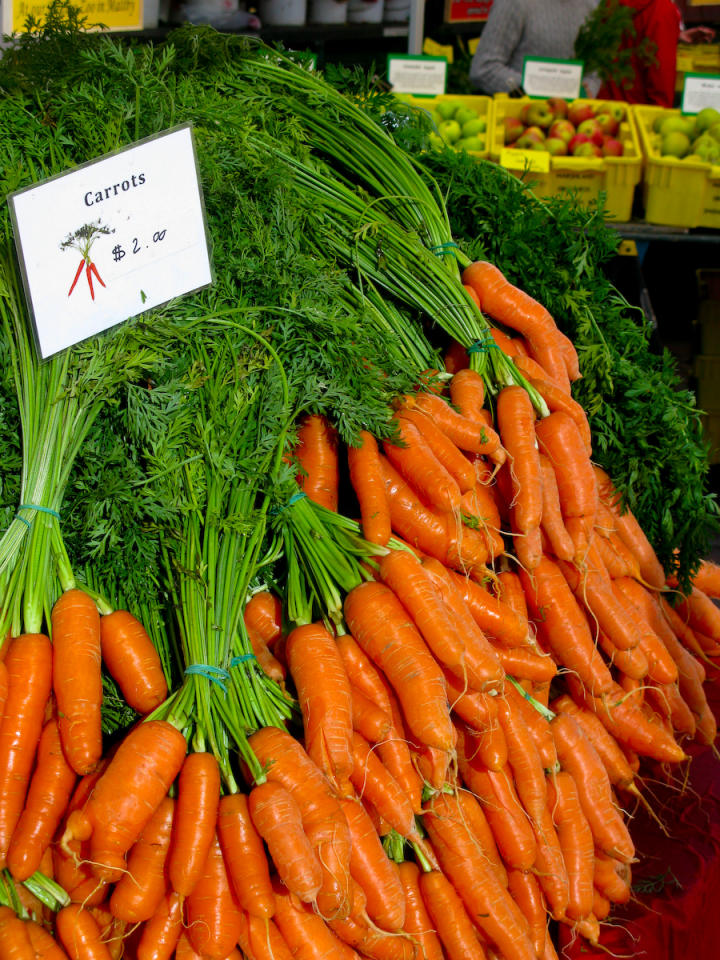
{"x": 49, "y": 794}
{"x": 453, "y": 926}
{"x": 486, "y": 741}
{"x": 493, "y": 615}
{"x": 467, "y": 392}
{"x": 558, "y": 399}
{"x": 371, "y": 721}
{"x": 611, "y": 878}
{"x": 469, "y": 436}
{"x": 79, "y": 934}
{"x": 132, "y": 660}
{"x": 536, "y": 724}
{"x": 162, "y": 931}
{"x": 553, "y": 524}
{"x": 373, "y": 870}
{"x": 28, "y": 661}
{"x": 375, "y": 783}
{"x": 394, "y": 752}
{"x": 469, "y": 814}
{"x": 213, "y": 915}
{"x": 418, "y": 923}
{"x": 196, "y": 812}
{"x": 552, "y": 603}
{"x": 3, "y": 687}
{"x": 443, "y": 449}
{"x": 576, "y": 843}
{"x": 317, "y": 458}
{"x": 71, "y": 866}
{"x": 700, "y": 613}
{"x": 263, "y": 617}
{"x": 77, "y": 680}
{"x": 514, "y": 347}
{"x": 245, "y": 859}
{"x": 366, "y": 477}
{"x": 44, "y": 945}
{"x": 618, "y": 769}
{"x": 261, "y": 939}
{"x": 285, "y": 762}
{"x": 306, "y": 934}
{"x": 127, "y": 794}
{"x": 278, "y": 820}
{"x": 359, "y": 932}
{"x": 417, "y": 463}
{"x": 14, "y": 937}
{"x": 379, "y": 623}
{"x": 560, "y": 440}
{"x": 139, "y": 892}
{"x": 707, "y": 578}
{"x": 516, "y": 419}
{"x": 525, "y": 891}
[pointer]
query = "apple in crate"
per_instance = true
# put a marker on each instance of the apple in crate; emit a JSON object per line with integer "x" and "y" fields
{"x": 562, "y": 130}
{"x": 612, "y": 147}
{"x": 592, "y": 130}
{"x": 607, "y": 123}
{"x": 537, "y": 113}
{"x": 558, "y": 106}
{"x": 580, "y": 110}
{"x": 556, "y": 146}
{"x": 532, "y": 139}
{"x": 450, "y": 130}
{"x": 587, "y": 149}
{"x": 512, "y": 129}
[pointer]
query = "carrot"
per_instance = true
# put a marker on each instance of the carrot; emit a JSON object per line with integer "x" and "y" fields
{"x": 466, "y": 434}
{"x": 394, "y": 752}
{"x": 370, "y": 721}
{"x": 527, "y": 894}
{"x": 662, "y": 668}
{"x": 112, "y": 931}
{"x": 366, "y": 477}
{"x": 616, "y": 557}
{"x": 261, "y": 940}
{"x": 489, "y": 905}
{"x": 79, "y": 934}
{"x": 578, "y": 756}
{"x": 162, "y": 931}
{"x": 213, "y": 915}
{"x": 553, "y": 524}
{"x": 196, "y": 812}
{"x": 324, "y": 696}
{"x": 263, "y": 617}
{"x": 536, "y": 724}
{"x": 285, "y": 762}
{"x": 362, "y": 673}
{"x": 557, "y": 399}
{"x": 467, "y": 393}
{"x": 479, "y": 512}
{"x": 470, "y": 816}
{"x": 317, "y": 458}
{"x": 77, "y": 680}
{"x": 576, "y": 843}
{"x": 4, "y": 681}
{"x": 700, "y": 613}
{"x": 496, "y": 618}
{"x": 44, "y": 945}
{"x": 516, "y": 419}
{"x": 132, "y": 660}
{"x": 418, "y": 924}
{"x": 524, "y": 663}
{"x": 306, "y": 934}
{"x": 138, "y": 893}
{"x": 417, "y": 463}
{"x": 127, "y": 794}
{"x": 71, "y": 867}
{"x": 437, "y": 534}
{"x": 28, "y": 661}
{"x": 443, "y": 449}
{"x": 359, "y": 932}
{"x": 478, "y": 710}
{"x": 379, "y": 623}
{"x": 14, "y": 937}
{"x": 514, "y": 347}
{"x": 560, "y": 440}
{"x": 373, "y": 870}
{"x": 487, "y": 743}
{"x": 375, "y": 783}
{"x": 611, "y": 878}
{"x": 669, "y": 703}
{"x": 707, "y": 578}
{"x": 245, "y": 858}
{"x": 552, "y": 603}
{"x": 453, "y": 926}
{"x": 48, "y": 796}
{"x": 278, "y": 820}
{"x": 614, "y": 760}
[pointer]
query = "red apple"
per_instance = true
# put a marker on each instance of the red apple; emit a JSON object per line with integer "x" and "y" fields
{"x": 558, "y": 106}
{"x": 612, "y": 147}
{"x": 580, "y": 110}
{"x": 530, "y": 140}
{"x": 590, "y": 128}
{"x": 537, "y": 113}
{"x": 588, "y": 149}
{"x": 578, "y": 139}
{"x": 556, "y": 146}
{"x": 562, "y": 130}
{"x": 607, "y": 123}
{"x": 512, "y": 127}
{"x": 615, "y": 109}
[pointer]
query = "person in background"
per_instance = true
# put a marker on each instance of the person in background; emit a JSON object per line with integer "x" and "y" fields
{"x": 653, "y": 76}
{"x": 517, "y": 29}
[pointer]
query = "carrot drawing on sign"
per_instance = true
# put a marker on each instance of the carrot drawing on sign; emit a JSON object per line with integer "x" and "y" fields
{"x": 82, "y": 240}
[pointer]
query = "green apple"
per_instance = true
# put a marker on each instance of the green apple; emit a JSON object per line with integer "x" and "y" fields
{"x": 473, "y": 127}
{"x": 464, "y": 114}
{"x": 473, "y": 144}
{"x": 706, "y": 118}
{"x": 675, "y": 144}
{"x": 708, "y": 148}
{"x": 435, "y": 141}
{"x": 714, "y": 131}
{"x": 678, "y": 124}
{"x": 436, "y": 117}
{"x": 450, "y": 131}
{"x": 538, "y": 114}
{"x": 446, "y": 108}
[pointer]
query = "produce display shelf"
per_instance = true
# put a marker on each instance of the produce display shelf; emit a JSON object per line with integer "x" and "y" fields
{"x": 676, "y": 192}
{"x": 483, "y": 106}
{"x": 617, "y": 177}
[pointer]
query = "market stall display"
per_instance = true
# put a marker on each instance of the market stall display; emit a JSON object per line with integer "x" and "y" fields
{"x": 396, "y": 656}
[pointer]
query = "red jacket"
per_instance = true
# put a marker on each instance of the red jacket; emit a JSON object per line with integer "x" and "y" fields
{"x": 659, "y": 20}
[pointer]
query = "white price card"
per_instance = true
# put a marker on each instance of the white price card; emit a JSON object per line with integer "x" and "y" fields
{"x": 552, "y": 78}
{"x": 421, "y": 75}
{"x": 111, "y": 239}
{"x": 700, "y": 90}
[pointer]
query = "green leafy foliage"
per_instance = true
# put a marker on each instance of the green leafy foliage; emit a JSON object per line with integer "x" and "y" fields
{"x": 607, "y": 42}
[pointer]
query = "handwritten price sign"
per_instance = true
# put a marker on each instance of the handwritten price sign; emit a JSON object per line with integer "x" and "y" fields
{"x": 126, "y": 233}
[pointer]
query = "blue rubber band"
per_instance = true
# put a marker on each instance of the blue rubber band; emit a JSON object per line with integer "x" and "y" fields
{"x": 210, "y": 673}
{"x": 245, "y": 657}
{"x": 35, "y": 506}
{"x": 484, "y": 345}
{"x": 300, "y": 495}
{"x": 23, "y": 520}
{"x": 442, "y": 248}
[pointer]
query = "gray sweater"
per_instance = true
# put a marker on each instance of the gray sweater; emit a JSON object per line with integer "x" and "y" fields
{"x": 524, "y": 28}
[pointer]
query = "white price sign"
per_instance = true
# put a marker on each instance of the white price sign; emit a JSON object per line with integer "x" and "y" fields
{"x": 111, "y": 239}
{"x": 700, "y": 90}
{"x": 419, "y": 75}
{"x": 552, "y": 78}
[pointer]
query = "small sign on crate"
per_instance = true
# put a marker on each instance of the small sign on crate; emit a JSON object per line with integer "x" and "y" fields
{"x": 467, "y": 11}
{"x": 112, "y": 14}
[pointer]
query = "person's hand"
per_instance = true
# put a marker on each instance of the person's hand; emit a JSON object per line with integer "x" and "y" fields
{"x": 697, "y": 35}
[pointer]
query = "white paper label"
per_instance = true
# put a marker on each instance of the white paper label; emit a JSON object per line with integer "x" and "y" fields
{"x": 700, "y": 91}
{"x": 419, "y": 75}
{"x": 111, "y": 239}
{"x": 552, "y": 78}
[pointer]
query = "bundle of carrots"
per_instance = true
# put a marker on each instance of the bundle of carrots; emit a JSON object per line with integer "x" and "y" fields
{"x": 473, "y": 724}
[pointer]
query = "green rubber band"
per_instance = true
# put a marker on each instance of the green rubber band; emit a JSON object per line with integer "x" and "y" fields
{"x": 442, "y": 248}
{"x": 484, "y": 345}
{"x": 36, "y": 506}
{"x": 210, "y": 673}
{"x": 245, "y": 657}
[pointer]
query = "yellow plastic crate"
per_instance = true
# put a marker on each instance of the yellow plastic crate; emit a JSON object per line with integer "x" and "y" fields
{"x": 586, "y": 176}
{"x": 676, "y": 193}
{"x": 482, "y": 106}
{"x": 696, "y": 58}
